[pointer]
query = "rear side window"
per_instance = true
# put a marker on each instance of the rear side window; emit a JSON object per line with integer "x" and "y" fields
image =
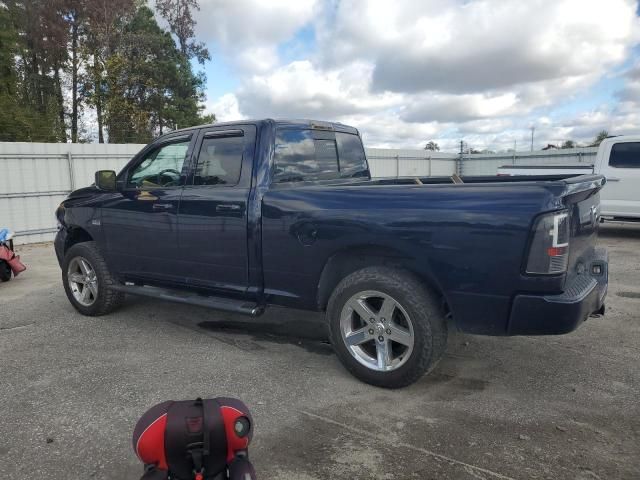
{"x": 625, "y": 155}
{"x": 219, "y": 161}
{"x": 353, "y": 162}
{"x": 299, "y": 156}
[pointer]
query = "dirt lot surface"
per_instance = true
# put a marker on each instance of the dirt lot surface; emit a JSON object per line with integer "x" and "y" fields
{"x": 72, "y": 388}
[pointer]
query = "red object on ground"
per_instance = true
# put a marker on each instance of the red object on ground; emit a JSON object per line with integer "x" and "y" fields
{"x": 196, "y": 439}
{"x": 12, "y": 259}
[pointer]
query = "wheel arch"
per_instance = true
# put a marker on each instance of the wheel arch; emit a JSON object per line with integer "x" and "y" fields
{"x": 76, "y": 235}
{"x": 346, "y": 261}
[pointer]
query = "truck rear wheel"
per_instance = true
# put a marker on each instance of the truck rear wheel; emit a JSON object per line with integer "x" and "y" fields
{"x": 386, "y": 327}
{"x": 87, "y": 281}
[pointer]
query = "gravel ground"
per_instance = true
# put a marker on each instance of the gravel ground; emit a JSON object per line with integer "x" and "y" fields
{"x": 72, "y": 388}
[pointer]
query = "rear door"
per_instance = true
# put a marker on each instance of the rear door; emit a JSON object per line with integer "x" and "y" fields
{"x": 213, "y": 209}
{"x": 620, "y": 164}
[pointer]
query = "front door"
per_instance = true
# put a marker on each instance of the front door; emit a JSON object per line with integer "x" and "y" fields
{"x": 213, "y": 210}
{"x": 140, "y": 222}
{"x": 621, "y": 195}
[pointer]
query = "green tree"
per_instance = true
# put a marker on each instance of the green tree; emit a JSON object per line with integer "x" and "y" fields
{"x": 14, "y": 119}
{"x": 38, "y": 57}
{"x": 432, "y": 146}
{"x": 568, "y": 144}
{"x": 104, "y": 28}
{"x": 179, "y": 16}
{"x": 599, "y": 138}
{"x": 150, "y": 84}
{"x": 58, "y": 57}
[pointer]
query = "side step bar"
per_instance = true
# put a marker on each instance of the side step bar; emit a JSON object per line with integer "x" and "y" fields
{"x": 217, "y": 303}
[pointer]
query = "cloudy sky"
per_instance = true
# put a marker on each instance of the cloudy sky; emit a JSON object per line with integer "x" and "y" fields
{"x": 408, "y": 71}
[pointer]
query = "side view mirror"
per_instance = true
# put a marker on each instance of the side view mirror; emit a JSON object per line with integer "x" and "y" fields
{"x": 106, "y": 180}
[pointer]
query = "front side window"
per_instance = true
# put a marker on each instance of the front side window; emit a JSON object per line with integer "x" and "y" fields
{"x": 219, "y": 161}
{"x": 300, "y": 157}
{"x": 625, "y": 155}
{"x": 161, "y": 167}
{"x": 353, "y": 162}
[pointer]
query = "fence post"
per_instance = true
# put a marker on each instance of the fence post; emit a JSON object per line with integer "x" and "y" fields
{"x": 72, "y": 181}
{"x": 397, "y": 166}
{"x": 429, "y": 166}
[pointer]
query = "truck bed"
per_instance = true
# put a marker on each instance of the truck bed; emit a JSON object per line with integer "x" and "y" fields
{"x": 538, "y": 170}
{"x": 473, "y": 179}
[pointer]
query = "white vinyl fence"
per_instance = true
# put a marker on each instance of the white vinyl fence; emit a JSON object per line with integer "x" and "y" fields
{"x": 385, "y": 162}
{"x": 36, "y": 177}
{"x": 488, "y": 163}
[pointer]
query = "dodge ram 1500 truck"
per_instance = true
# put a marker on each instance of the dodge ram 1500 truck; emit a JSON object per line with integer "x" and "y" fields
{"x": 242, "y": 215}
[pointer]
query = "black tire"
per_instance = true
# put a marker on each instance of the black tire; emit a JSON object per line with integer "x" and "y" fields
{"x": 107, "y": 299}
{"x": 425, "y": 315}
{"x": 5, "y": 271}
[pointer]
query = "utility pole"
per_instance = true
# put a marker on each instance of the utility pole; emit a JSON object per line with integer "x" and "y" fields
{"x": 533, "y": 129}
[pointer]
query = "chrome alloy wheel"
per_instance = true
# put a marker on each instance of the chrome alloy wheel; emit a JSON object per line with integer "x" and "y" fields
{"x": 83, "y": 281}
{"x": 377, "y": 331}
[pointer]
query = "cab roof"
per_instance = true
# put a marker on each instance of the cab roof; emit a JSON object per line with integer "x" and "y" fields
{"x": 285, "y": 123}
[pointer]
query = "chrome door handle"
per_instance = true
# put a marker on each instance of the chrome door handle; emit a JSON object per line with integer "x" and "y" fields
{"x": 227, "y": 207}
{"x": 162, "y": 206}
{"x": 613, "y": 179}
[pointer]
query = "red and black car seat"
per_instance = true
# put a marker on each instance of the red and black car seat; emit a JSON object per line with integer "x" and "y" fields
{"x": 193, "y": 439}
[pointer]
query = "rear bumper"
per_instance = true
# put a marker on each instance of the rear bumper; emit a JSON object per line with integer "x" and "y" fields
{"x": 557, "y": 314}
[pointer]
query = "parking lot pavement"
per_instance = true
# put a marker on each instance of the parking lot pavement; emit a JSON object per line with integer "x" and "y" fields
{"x": 72, "y": 388}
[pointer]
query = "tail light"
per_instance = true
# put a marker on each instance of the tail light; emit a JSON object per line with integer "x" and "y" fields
{"x": 549, "y": 250}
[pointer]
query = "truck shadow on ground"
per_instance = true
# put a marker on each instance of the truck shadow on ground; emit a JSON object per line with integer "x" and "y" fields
{"x": 470, "y": 365}
{"x": 310, "y": 335}
{"x": 283, "y": 326}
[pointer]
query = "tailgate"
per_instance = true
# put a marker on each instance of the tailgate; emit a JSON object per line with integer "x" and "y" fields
{"x": 582, "y": 200}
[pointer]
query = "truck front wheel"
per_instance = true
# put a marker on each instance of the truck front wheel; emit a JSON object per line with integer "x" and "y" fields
{"x": 87, "y": 281}
{"x": 386, "y": 327}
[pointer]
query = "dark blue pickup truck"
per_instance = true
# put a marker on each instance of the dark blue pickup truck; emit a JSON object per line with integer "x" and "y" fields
{"x": 242, "y": 215}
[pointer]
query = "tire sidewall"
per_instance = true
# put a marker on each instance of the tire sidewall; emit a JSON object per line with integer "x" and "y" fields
{"x": 419, "y": 305}
{"x": 83, "y": 250}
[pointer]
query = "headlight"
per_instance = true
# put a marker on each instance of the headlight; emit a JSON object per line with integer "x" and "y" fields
{"x": 60, "y": 216}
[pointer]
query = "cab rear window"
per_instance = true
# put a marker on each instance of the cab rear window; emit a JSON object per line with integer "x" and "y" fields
{"x": 306, "y": 155}
{"x": 300, "y": 157}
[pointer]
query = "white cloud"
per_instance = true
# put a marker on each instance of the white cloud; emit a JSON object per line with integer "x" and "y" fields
{"x": 407, "y": 71}
{"x": 450, "y": 46}
{"x": 252, "y": 22}
{"x": 299, "y": 89}
{"x": 225, "y": 108}
{"x": 247, "y": 32}
{"x": 448, "y": 107}
{"x": 385, "y": 129}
